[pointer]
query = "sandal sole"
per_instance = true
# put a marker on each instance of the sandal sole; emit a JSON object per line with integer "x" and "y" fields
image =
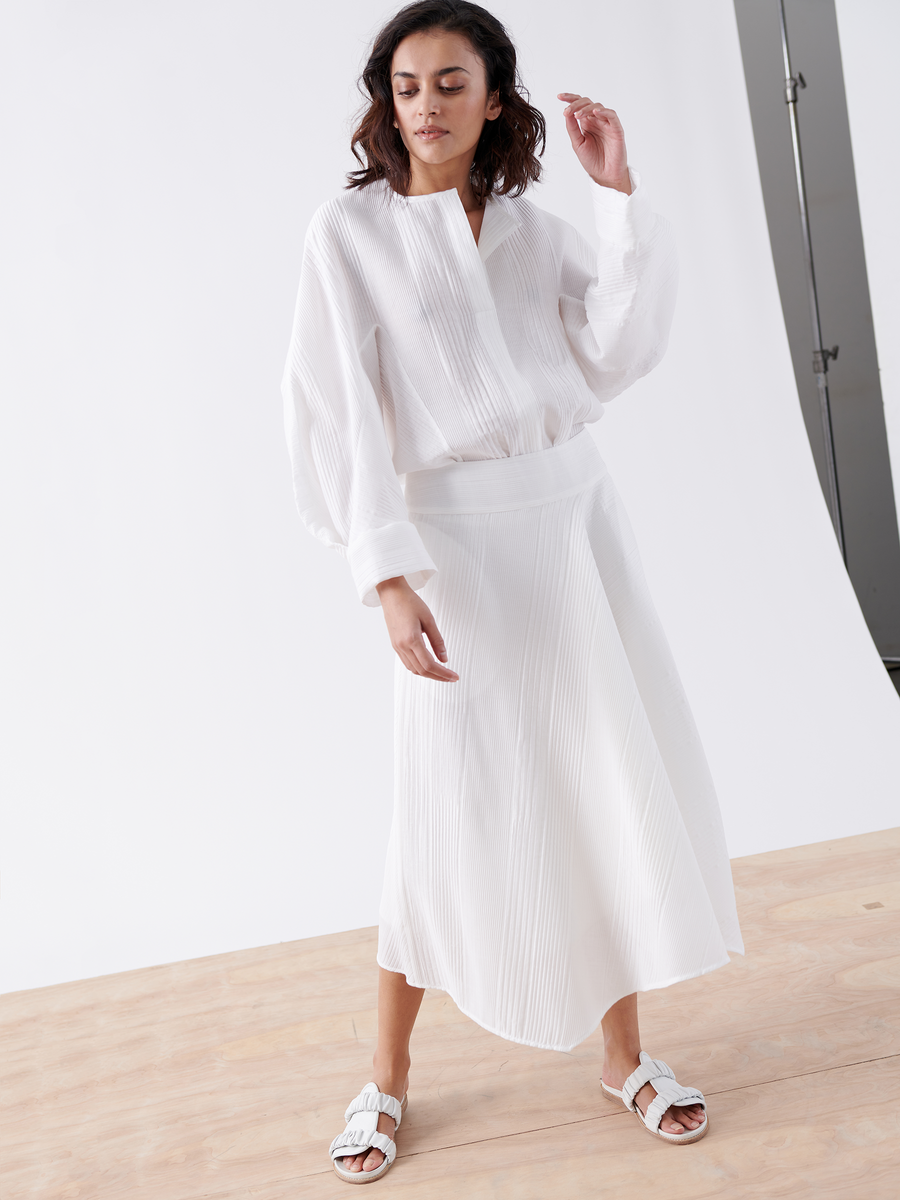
{"x": 362, "y": 1176}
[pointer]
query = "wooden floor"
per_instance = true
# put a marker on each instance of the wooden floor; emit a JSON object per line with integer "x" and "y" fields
{"x": 227, "y": 1077}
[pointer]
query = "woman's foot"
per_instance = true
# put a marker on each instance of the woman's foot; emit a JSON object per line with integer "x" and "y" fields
{"x": 392, "y": 1085}
{"x": 675, "y": 1119}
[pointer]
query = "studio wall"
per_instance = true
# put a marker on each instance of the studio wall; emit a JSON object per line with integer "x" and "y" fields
{"x": 197, "y": 727}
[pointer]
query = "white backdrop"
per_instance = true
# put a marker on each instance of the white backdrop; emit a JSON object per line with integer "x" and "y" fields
{"x": 197, "y": 718}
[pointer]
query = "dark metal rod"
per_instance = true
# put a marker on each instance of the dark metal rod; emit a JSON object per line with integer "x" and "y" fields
{"x": 820, "y": 354}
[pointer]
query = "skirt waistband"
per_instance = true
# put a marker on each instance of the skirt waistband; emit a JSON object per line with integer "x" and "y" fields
{"x": 505, "y": 484}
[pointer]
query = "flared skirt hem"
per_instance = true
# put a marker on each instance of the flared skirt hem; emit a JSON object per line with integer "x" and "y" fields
{"x": 567, "y": 1049}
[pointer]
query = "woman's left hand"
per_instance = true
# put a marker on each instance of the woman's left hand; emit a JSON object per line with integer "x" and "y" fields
{"x": 598, "y": 139}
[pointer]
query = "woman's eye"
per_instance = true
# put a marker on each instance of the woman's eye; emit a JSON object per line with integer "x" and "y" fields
{"x": 451, "y": 90}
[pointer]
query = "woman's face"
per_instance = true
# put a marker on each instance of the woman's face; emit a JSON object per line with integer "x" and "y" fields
{"x": 440, "y": 97}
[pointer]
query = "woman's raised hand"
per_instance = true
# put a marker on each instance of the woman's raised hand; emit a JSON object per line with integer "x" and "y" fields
{"x": 408, "y": 617}
{"x": 598, "y": 139}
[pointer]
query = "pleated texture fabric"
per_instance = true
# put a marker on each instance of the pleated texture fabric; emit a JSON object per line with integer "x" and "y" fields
{"x": 556, "y": 841}
{"x": 414, "y": 347}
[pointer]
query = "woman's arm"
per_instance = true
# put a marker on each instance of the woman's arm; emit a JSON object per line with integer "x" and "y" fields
{"x": 347, "y": 490}
{"x": 616, "y": 303}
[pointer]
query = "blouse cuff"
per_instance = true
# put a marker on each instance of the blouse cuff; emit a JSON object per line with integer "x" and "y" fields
{"x": 384, "y": 553}
{"x": 620, "y": 218}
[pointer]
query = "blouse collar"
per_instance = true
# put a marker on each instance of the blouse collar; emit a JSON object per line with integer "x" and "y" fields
{"x": 498, "y": 222}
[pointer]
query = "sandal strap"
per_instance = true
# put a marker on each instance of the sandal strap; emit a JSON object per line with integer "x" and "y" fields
{"x": 669, "y": 1092}
{"x": 371, "y": 1100}
{"x": 650, "y": 1069}
{"x": 362, "y": 1125}
{"x": 350, "y": 1142}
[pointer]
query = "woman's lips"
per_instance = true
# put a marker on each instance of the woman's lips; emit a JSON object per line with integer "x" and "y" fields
{"x": 430, "y": 135}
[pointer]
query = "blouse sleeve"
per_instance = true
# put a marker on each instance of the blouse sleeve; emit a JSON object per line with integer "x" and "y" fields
{"x": 345, "y": 485}
{"x": 617, "y": 304}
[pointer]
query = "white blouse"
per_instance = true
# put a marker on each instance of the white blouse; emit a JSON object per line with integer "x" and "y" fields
{"x": 413, "y": 347}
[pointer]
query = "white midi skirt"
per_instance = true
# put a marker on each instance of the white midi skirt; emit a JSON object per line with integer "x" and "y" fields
{"x": 556, "y": 841}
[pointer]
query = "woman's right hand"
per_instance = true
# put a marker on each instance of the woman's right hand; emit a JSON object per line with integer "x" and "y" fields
{"x": 408, "y": 617}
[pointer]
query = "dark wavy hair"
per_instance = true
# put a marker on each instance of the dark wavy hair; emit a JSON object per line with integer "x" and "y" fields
{"x": 506, "y": 157}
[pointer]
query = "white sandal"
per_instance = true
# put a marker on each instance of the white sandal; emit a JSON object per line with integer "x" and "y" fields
{"x": 362, "y": 1133}
{"x": 668, "y": 1092}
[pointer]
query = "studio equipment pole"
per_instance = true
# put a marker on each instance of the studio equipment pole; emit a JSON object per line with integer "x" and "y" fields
{"x": 820, "y": 354}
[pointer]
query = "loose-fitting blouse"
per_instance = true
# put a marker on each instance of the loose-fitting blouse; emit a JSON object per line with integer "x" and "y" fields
{"x": 414, "y": 347}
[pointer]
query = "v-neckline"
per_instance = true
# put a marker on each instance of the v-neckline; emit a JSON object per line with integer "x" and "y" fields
{"x": 497, "y": 222}
{"x": 483, "y": 211}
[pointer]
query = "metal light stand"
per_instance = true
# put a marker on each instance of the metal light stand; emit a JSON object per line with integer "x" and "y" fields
{"x": 820, "y": 354}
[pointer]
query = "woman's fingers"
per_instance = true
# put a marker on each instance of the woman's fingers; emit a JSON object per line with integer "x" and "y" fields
{"x": 432, "y": 632}
{"x": 427, "y": 665}
{"x": 414, "y": 655}
{"x": 604, "y": 118}
{"x": 573, "y": 129}
{"x": 584, "y": 108}
{"x": 575, "y": 101}
{"x": 407, "y": 660}
{"x": 584, "y": 116}
{"x": 597, "y": 116}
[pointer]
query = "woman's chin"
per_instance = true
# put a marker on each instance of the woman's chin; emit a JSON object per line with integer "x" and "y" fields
{"x": 437, "y": 154}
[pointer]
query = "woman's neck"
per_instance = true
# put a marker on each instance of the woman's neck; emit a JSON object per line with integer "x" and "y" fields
{"x": 426, "y": 179}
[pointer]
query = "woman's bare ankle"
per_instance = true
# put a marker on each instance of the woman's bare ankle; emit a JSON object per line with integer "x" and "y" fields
{"x": 391, "y": 1075}
{"x": 618, "y": 1065}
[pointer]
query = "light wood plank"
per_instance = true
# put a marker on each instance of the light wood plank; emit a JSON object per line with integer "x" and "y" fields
{"x": 226, "y": 1075}
{"x": 797, "y": 1138}
{"x": 846, "y": 902}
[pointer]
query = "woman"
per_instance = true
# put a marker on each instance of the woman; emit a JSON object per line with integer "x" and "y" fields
{"x": 556, "y": 844}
